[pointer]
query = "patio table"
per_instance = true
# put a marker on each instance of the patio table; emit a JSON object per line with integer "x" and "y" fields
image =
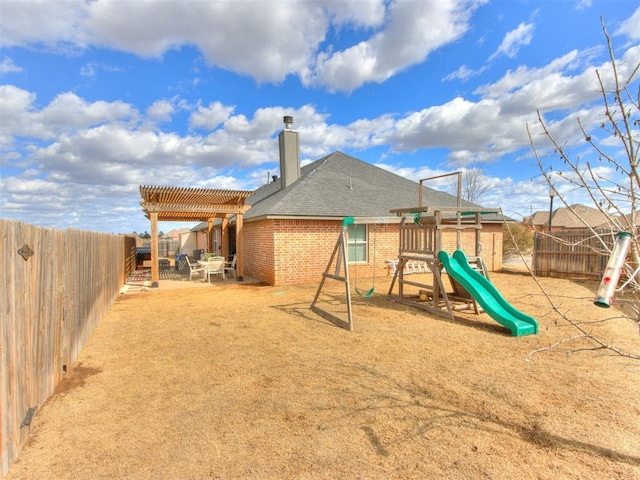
{"x": 205, "y": 264}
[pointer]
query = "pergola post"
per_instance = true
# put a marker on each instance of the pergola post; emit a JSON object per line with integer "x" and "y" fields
{"x": 210, "y": 236}
{"x": 239, "y": 247}
{"x": 155, "y": 267}
{"x": 224, "y": 236}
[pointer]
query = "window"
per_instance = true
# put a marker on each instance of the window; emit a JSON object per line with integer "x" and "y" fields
{"x": 357, "y": 246}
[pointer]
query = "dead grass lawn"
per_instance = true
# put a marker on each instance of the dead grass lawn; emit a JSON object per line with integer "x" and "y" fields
{"x": 245, "y": 381}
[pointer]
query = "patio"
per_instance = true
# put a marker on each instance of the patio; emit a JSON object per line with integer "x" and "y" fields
{"x": 172, "y": 278}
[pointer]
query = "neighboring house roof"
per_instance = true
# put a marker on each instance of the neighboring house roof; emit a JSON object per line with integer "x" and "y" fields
{"x": 202, "y": 226}
{"x": 339, "y": 185}
{"x": 621, "y": 222}
{"x": 570, "y": 217}
{"x": 175, "y": 233}
{"x": 539, "y": 218}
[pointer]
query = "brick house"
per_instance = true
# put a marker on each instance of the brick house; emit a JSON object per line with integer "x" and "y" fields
{"x": 567, "y": 218}
{"x": 294, "y": 221}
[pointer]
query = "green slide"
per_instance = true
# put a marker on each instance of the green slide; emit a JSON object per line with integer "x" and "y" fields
{"x": 489, "y": 298}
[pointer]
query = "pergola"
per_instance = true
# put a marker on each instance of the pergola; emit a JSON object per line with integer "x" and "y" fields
{"x": 172, "y": 204}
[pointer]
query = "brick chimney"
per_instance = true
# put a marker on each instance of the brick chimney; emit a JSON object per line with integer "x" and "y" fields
{"x": 289, "y": 154}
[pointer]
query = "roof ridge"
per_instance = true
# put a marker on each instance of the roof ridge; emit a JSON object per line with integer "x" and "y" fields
{"x": 339, "y": 185}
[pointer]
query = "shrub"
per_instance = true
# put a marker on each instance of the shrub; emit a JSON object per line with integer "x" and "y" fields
{"x": 517, "y": 237}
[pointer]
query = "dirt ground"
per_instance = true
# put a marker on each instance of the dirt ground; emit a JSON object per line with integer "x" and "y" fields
{"x": 245, "y": 381}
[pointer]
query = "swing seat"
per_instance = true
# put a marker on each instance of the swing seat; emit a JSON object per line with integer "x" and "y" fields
{"x": 367, "y": 294}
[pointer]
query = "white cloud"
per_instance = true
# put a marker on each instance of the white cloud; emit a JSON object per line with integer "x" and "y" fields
{"x": 160, "y": 111}
{"x": 583, "y": 4}
{"x": 553, "y": 87}
{"x": 7, "y": 66}
{"x": 91, "y": 69}
{"x": 16, "y": 105}
{"x": 112, "y": 154}
{"x": 486, "y": 131}
{"x": 106, "y": 143}
{"x": 631, "y": 26}
{"x": 414, "y": 30}
{"x": 88, "y": 70}
{"x": 514, "y": 40}
{"x": 265, "y": 40}
{"x": 69, "y": 110}
{"x": 495, "y": 125}
{"x": 52, "y": 203}
{"x": 515, "y": 79}
{"x": 362, "y": 13}
{"x": 210, "y": 117}
{"x": 35, "y": 22}
{"x": 463, "y": 73}
{"x": 65, "y": 113}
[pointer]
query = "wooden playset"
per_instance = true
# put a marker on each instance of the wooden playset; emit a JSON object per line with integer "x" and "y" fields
{"x": 420, "y": 242}
{"x": 421, "y": 230}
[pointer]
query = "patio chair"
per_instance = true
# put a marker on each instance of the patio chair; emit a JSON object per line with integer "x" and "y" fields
{"x": 231, "y": 266}
{"x": 215, "y": 266}
{"x": 195, "y": 268}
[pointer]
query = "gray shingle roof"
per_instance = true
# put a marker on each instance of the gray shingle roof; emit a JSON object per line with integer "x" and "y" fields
{"x": 566, "y": 218}
{"x": 339, "y": 185}
{"x": 571, "y": 217}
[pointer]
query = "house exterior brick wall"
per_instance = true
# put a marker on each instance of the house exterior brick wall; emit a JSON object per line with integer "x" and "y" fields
{"x": 290, "y": 251}
{"x": 258, "y": 251}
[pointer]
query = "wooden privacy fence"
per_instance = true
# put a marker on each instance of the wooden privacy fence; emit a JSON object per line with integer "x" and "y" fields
{"x": 571, "y": 254}
{"x": 166, "y": 247}
{"x": 56, "y": 286}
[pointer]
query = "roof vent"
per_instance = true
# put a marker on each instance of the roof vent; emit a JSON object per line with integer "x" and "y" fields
{"x": 288, "y": 122}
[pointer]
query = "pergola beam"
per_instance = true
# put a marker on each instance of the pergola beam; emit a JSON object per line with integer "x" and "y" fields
{"x": 208, "y": 211}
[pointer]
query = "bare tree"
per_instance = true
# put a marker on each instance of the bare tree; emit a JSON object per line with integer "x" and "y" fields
{"x": 475, "y": 184}
{"x": 613, "y": 190}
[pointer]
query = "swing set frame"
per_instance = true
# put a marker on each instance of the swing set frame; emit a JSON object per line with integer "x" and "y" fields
{"x": 340, "y": 273}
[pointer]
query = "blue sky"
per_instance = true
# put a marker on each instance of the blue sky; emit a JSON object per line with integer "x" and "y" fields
{"x": 98, "y": 98}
